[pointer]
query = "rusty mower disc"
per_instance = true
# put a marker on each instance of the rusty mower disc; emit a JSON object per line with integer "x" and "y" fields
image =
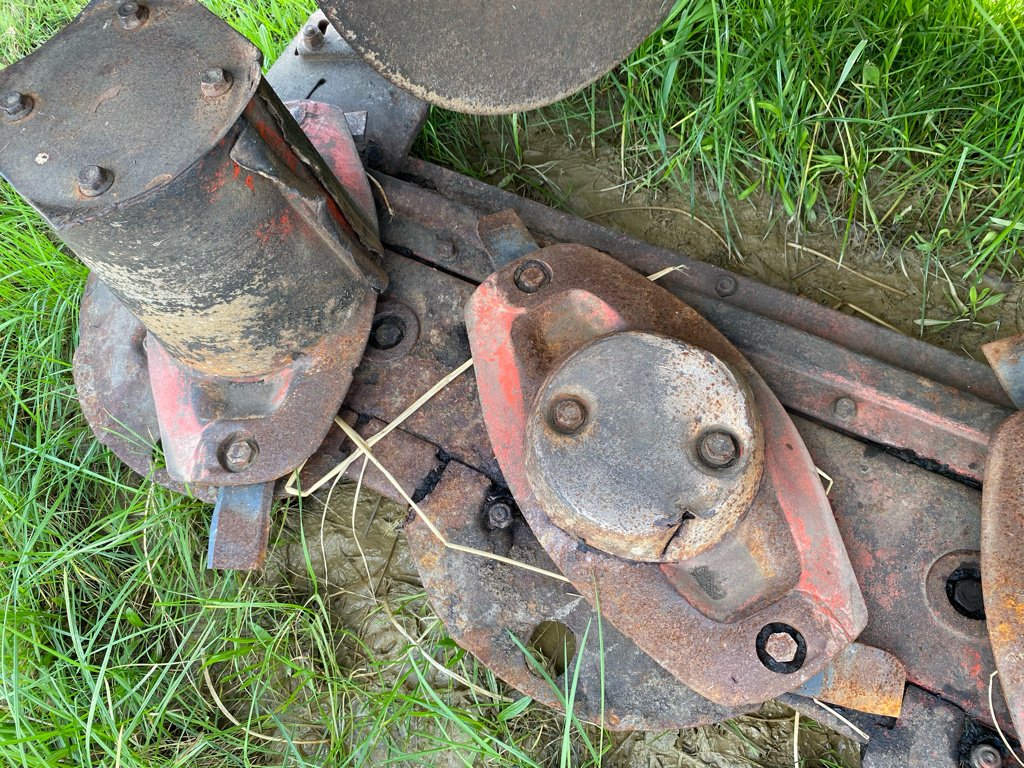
{"x": 494, "y": 58}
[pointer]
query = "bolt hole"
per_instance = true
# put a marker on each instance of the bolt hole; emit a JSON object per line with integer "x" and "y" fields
{"x": 323, "y": 24}
{"x": 963, "y": 590}
{"x": 771, "y": 633}
{"x": 387, "y": 332}
{"x": 553, "y": 646}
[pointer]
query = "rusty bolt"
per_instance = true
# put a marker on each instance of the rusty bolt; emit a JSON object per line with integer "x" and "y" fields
{"x": 568, "y": 415}
{"x": 781, "y": 647}
{"x": 238, "y": 453}
{"x": 93, "y": 180}
{"x": 132, "y": 15}
{"x": 215, "y": 83}
{"x": 499, "y": 515}
{"x": 16, "y": 106}
{"x": 313, "y": 37}
{"x": 388, "y": 332}
{"x": 986, "y": 756}
{"x": 726, "y": 286}
{"x": 718, "y": 449}
{"x": 844, "y": 408}
{"x": 532, "y": 275}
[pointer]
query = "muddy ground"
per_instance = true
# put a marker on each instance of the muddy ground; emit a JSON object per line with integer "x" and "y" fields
{"x": 371, "y": 572}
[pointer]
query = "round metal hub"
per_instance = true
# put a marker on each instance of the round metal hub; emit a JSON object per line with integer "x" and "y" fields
{"x": 494, "y": 58}
{"x": 668, "y": 454}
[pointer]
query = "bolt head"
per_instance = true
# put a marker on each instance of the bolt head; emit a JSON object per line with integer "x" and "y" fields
{"x": 215, "y": 83}
{"x": 312, "y": 38}
{"x": 726, "y": 286}
{"x": 718, "y": 449}
{"x": 16, "y": 105}
{"x": 568, "y": 415}
{"x": 986, "y": 756}
{"x": 237, "y": 454}
{"x": 781, "y": 647}
{"x": 94, "y": 180}
{"x": 132, "y": 15}
{"x": 844, "y": 408}
{"x": 388, "y": 333}
{"x": 499, "y": 515}
{"x": 532, "y": 275}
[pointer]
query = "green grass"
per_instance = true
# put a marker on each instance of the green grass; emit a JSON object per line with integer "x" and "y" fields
{"x": 903, "y": 117}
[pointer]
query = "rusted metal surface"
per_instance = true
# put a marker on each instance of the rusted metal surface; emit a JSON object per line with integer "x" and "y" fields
{"x": 862, "y": 678}
{"x": 283, "y": 414}
{"x": 496, "y": 58}
{"x": 240, "y": 527}
{"x": 1006, "y": 356}
{"x": 1002, "y": 535}
{"x": 922, "y": 402}
{"x": 112, "y": 380}
{"x": 225, "y": 294}
{"x": 460, "y": 197}
{"x": 654, "y": 506}
{"x": 518, "y": 338}
{"x": 385, "y": 384}
{"x": 908, "y": 531}
{"x": 488, "y": 606}
{"x": 319, "y": 64}
{"x": 505, "y": 237}
{"x": 926, "y": 736}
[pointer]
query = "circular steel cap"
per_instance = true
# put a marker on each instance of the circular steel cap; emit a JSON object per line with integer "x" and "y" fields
{"x": 488, "y": 57}
{"x": 633, "y": 479}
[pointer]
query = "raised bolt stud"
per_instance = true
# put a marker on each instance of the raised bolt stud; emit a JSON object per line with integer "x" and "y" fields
{"x": 16, "y": 106}
{"x": 132, "y": 15}
{"x": 781, "y": 647}
{"x": 237, "y": 454}
{"x": 568, "y": 415}
{"x": 726, "y": 286}
{"x": 532, "y": 275}
{"x": 844, "y": 408}
{"x": 93, "y": 180}
{"x": 215, "y": 83}
{"x": 986, "y": 756}
{"x": 313, "y": 37}
{"x": 387, "y": 333}
{"x": 718, "y": 449}
{"x": 499, "y": 515}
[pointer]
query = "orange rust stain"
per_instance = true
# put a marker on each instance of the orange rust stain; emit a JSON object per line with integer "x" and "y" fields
{"x": 275, "y": 230}
{"x": 250, "y": 183}
{"x": 237, "y": 172}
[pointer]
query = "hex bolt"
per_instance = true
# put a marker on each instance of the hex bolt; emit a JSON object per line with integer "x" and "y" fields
{"x": 718, "y": 449}
{"x": 94, "y": 180}
{"x": 215, "y": 83}
{"x": 532, "y": 275}
{"x": 568, "y": 415}
{"x": 16, "y": 106}
{"x": 781, "y": 647}
{"x": 237, "y": 453}
{"x": 986, "y": 756}
{"x": 132, "y": 15}
{"x": 844, "y": 408}
{"x": 313, "y": 37}
{"x": 499, "y": 515}
{"x": 726, "y": 286}
{"x": 388, "y": 332}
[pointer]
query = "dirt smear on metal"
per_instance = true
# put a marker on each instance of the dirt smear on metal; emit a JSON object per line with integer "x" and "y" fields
{"x": 361, "y": 559}
{"x": 357, "y": 556}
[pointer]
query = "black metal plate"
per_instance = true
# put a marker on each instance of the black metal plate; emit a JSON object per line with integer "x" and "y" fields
{"x": 488, "y": 57}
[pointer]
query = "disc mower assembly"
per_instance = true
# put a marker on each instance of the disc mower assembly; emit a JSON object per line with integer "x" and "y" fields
{"x": 697, "y": 493}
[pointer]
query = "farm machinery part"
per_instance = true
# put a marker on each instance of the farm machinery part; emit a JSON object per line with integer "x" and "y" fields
{"x": 687, "y": 491}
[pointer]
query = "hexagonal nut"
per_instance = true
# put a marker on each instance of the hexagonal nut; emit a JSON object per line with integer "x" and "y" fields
{"x": 781, "y": 647}
{"x": 237, "y": 454}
